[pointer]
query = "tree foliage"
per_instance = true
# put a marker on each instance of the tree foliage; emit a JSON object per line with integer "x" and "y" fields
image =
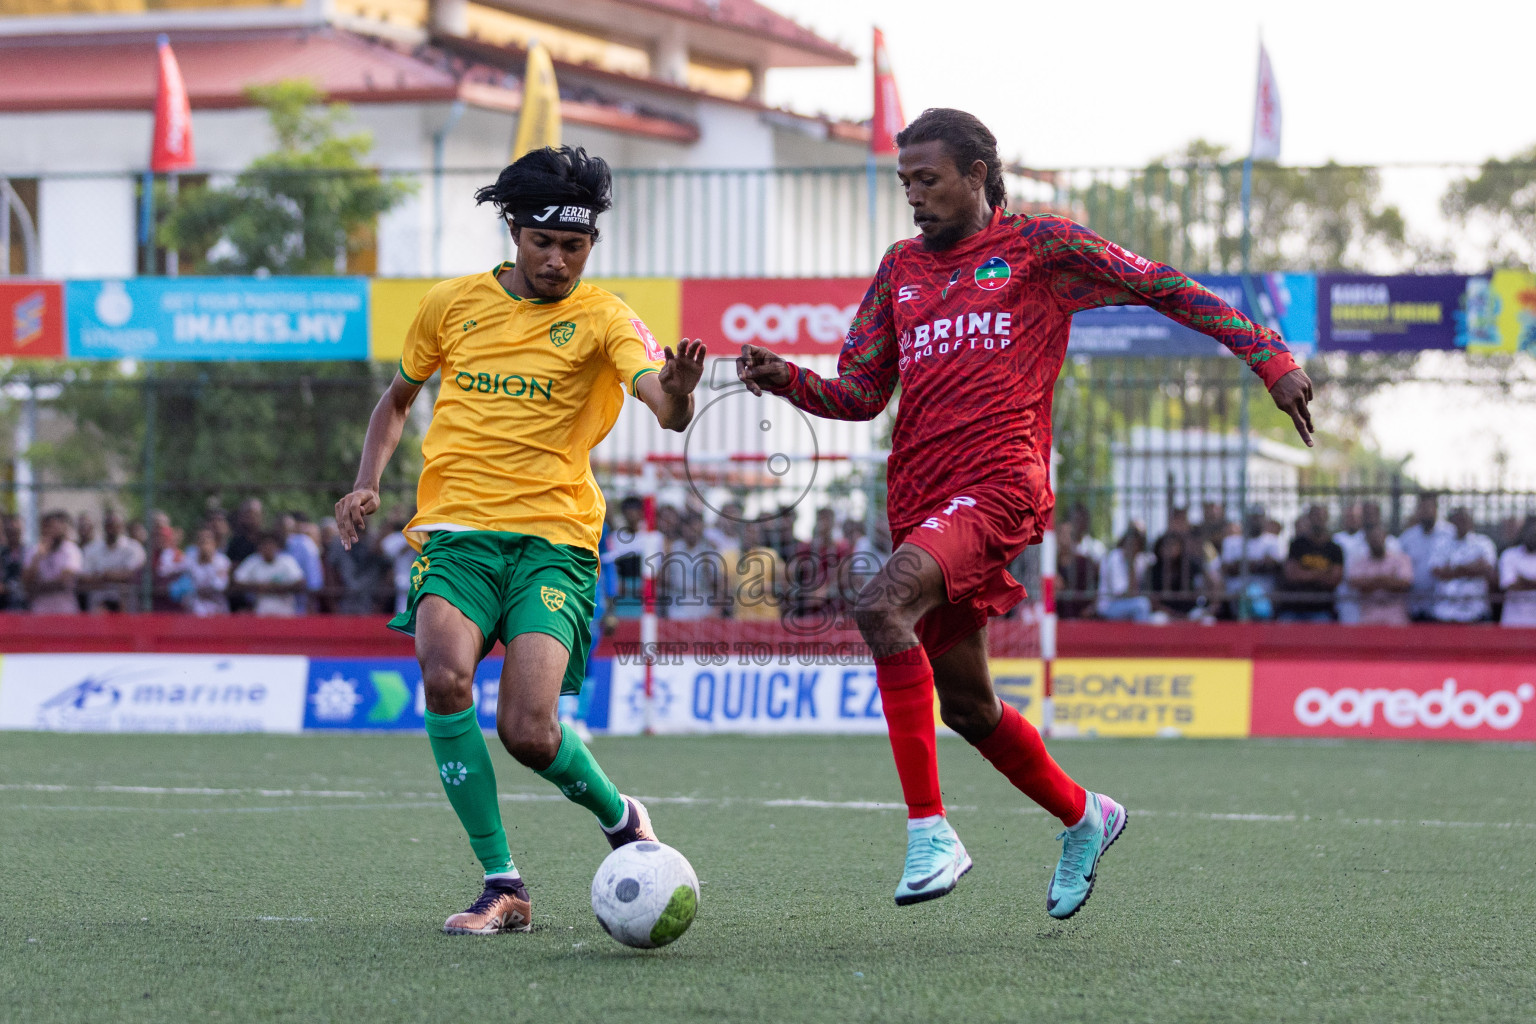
{"x": 290, "y": 433}
{"x": 1501, "y": 198}
{"x": 1186, "y": 209}
{"x": 296, "y": 210}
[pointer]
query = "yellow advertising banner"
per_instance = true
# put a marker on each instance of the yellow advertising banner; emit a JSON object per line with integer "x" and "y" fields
{"x": 394, "y": 301}
{"x": 1018, "y": 682}
{"x": 1509, "y": 313}
{"x": 1152, "y": 697}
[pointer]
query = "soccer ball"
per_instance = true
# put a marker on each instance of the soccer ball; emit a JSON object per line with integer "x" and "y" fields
{"x": 645, "y": 894}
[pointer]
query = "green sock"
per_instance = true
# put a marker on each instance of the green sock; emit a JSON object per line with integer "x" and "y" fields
{"x": 464, "y": 764}
{"x": 582, "y": 781}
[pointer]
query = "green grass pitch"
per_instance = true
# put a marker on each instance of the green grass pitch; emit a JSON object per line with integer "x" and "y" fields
{"x": 305, "y": 878}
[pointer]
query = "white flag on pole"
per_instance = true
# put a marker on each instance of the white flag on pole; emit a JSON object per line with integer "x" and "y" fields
{"x": 1266, "y": 113}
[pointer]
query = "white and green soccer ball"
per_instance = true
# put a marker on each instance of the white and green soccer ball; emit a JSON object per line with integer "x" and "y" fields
{"x": 645, "y": 894}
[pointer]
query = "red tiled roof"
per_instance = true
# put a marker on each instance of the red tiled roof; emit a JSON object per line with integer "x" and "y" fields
{"x": 75, "y": 73}
{"x": 120, "y": 73}
{"x": 751, "y": 17}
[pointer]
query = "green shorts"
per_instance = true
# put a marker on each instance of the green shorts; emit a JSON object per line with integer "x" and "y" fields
{"x": 509, "y": 584}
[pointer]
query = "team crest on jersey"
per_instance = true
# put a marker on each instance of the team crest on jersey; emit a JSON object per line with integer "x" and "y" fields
{"x": 993, "y": 274}
{"x": 652, "y": 347}
{"x": 553, "y": 599}
{"x": 419, "y": 570}
{"x": 562, "y": 332}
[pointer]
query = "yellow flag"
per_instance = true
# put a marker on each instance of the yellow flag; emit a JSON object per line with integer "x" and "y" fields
{"x": 539, "y": 124}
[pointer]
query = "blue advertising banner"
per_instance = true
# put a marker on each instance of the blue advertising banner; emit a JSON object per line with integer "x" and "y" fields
{"x": 383, "y": 694}
{"x": 1358, "y": 313}
{"x": 1285, "y": 302}
{"x": 386, "y": 694}
{"x": 218, "y": 318}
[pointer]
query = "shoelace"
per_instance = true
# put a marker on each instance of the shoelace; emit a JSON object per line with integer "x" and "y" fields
{"x": 488, "y": 899}
{"x": 1074, "y": 855}
{"x": 922, "y": 857}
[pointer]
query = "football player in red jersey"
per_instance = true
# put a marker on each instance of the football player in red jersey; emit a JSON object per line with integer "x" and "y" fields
{"x": 972, "y": 317}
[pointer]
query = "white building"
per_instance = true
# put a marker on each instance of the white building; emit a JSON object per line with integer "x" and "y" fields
{"x": 668, "y": 91}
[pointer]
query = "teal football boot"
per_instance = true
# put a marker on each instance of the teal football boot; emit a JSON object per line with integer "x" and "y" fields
{"x": 935, "y": 861}
{"x": 1083, "y": 845}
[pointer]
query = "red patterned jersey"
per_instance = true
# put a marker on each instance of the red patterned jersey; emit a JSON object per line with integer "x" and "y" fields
{"x": 976, "y": 335}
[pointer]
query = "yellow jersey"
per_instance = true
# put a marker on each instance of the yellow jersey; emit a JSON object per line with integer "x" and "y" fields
{"x": 529, "y": 388}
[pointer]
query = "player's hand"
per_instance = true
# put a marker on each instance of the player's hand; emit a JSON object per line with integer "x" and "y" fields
{"x": 681, "y": 372}
{"x": 1291, "y": 394}
{"x": 760, "y": 368}
{"x": 352, "y": 512}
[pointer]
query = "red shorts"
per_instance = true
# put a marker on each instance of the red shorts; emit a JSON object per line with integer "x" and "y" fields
{"x": 974, "y": 537}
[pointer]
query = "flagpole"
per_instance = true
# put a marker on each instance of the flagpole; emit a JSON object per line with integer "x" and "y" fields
{"x": 1245, "y": 422}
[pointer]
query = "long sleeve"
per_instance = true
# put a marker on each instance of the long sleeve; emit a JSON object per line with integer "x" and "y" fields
{"x": 866, "y": 366}
{"x": 1088, "y": 271}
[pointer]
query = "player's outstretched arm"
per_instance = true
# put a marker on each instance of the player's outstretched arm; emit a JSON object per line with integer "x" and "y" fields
{"x": 669, "y": 393}
{"x": 760, "y": 368}
{"x": 384, "y": 429}
{"x": 1292, "y": 395}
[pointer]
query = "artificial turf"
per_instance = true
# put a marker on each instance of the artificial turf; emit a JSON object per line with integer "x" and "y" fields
{"x": 306, "y": 878}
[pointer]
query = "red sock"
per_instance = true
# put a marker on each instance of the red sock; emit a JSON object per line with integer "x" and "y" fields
{"x": 1016, "y": 749}
{"x": 906, "y": 692}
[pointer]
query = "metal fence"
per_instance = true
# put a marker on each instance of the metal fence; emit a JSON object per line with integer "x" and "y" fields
{"x": 829, "y": 221}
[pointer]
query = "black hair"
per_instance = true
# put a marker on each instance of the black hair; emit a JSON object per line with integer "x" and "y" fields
{"x": 545, "y": 177}
{"x": 967, "y": 139}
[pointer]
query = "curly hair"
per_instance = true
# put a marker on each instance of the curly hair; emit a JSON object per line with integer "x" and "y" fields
{"x": 545, "y": 177}
{"x": 967, "y": 140}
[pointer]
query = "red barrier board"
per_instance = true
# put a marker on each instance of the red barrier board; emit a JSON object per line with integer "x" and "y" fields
{"x": 32, "y": 319}
{"x": 1431, "y": 700}
{"x": 791, "y": 315}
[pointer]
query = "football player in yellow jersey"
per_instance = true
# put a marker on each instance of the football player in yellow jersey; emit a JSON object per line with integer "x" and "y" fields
{"x": 534, "y": 367}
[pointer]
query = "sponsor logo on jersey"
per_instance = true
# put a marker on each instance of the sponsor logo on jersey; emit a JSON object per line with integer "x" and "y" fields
{"x": 507, "y": 385}
{"x": 471, "y": 323}
{"x": 952, "y": 279}
{"x": 562, "y": 332}
{"x": 652, "y": 346}
{"x": 993, "y": 274}
{"x": 1140, "y": 264}
{"x": 553, "y": 599}
{"x": 991, "y": 331}
{"x": 906, "y": 293}
{"x": 956, "y": 503}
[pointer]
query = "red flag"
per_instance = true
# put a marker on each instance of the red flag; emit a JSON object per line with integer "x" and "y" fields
{"x": 173, "y": 117}
{"x": 888, "y": 120}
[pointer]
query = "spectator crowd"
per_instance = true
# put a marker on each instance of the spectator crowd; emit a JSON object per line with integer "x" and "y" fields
{"x": 1354, "y": 572}
{"x": 731, "y": 566}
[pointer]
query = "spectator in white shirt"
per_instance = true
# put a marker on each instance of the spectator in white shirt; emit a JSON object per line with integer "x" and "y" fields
{"x": 1265, "y": 556}
{"x": 1382, "y": 577}
{"x": 272, "y": 578}
{"x": 1121, "y": 579}
{"x": 1464, "y": 567}
{"x": 208, "y": 571}
{"x": 1517, "y": 578}
{"x": 113, "y": 563}
{"x": 1081, "y": 522}
{"x": 53, "y": 568}
{"x": 692, "y": 575}
{"x": 1424, "y": 531}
